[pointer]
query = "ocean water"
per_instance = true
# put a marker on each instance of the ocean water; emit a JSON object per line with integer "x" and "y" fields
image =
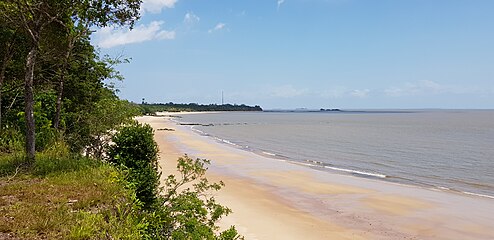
{"x": 446, "y": 150}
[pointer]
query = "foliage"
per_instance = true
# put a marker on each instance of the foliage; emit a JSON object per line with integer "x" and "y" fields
{"x": 188, "y": 209}
{"x": 43, "y": 111}
{"x": 134, "y": 149}
{"x": 51, "y": 75}
{"x": 11, "y": 141}
{"x": 51, "y": 31}
{"x": 150, "y": 109}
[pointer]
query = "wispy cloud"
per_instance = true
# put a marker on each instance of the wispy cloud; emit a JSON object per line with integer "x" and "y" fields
{"x": 342, "y": 92}
{"x": 155, "y": 6}
{"x": 360, "y": 93}
{"x": 220, "y": 26}
{"x": 288, "y": 91}
{"x": 431, "y": 87}
{"x": 191, "y": 19}
{"x": 110, "y": 37}
{"x": 280, "y": 2}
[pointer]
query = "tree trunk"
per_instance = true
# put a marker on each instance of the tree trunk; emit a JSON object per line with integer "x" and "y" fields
{"x": 6, "y": 59}
{"x": 1, "y": 82}
{"x": 56, "y": 121}
{"x": 29, "y": 104}
{"x": 2, "y": 76}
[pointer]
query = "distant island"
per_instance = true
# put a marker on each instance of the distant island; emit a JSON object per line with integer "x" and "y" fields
{"x": 152, "y": 108}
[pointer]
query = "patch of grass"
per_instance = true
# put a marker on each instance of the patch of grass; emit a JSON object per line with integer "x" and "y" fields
{"x": 11, "y": 164}
{"x": 57, "y": 159}
{"x": 67, "y": 198}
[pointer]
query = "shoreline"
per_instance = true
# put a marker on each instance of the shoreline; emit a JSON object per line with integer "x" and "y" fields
{"x": 319, "y": 165}
{"x": 293, "y": 200}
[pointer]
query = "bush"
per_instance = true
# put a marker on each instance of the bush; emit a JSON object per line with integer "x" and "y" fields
{"x": 187, "y": 210}
{"x": 134, "y": 149}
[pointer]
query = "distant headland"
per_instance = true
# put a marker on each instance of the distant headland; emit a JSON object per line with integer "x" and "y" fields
{"x": 152, "y": 108}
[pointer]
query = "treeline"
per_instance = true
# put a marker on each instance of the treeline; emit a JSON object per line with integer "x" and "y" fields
{"x": 193, "y": 107}
{"x": 54, "y": 85}
{"x": 73, "y": 162}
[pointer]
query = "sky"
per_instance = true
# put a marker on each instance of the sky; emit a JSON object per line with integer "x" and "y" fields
{"x": 286, "y": 54}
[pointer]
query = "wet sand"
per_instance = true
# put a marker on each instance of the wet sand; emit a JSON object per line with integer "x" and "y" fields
{"x": 275, "y": 199}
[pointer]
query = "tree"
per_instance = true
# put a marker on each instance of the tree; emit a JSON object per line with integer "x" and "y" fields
{"x": 7, "y": 51}
{"x": 33, "y": 16}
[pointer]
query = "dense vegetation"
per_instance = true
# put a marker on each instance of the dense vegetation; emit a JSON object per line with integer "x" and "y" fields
{"x": 60, "y": 178}
{"x": 147, "y": 108}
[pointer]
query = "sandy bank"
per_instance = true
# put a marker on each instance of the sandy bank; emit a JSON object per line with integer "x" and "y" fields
{"x": 273, "y": 199}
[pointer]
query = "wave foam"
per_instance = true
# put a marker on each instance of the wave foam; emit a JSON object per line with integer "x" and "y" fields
{"x": 357, "y": 172}
{"x": 479, "y": 195}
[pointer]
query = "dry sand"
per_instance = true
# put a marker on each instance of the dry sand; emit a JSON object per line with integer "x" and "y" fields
{"x": 275, "y": 199}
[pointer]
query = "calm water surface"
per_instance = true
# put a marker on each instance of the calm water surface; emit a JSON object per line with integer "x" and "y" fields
{"x": 440, "y": 149}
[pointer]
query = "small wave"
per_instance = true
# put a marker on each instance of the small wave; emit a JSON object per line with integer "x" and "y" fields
{"x": 479, "y": 195}
{"x": 225, "y": 141}
{"x": 199, "y": 131}
{"x": 228, "y": 142}
{"x": 269, "y": 154}
{"x": 357, "y": 172}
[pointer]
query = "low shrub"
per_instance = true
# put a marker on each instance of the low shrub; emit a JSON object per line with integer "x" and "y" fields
{"x": 135, "y": 151}
{"x": 184, "y": 207}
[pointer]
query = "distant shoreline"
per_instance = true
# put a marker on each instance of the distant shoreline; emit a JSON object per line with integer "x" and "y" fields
{"x": 152, "y": 108}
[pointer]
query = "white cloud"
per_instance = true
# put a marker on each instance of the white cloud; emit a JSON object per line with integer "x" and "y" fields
{"x": 155, "y": 6}
{"x": 218, "y": 27}
{"x": 360, "y": 93}
{"x": 191, "y": 19}
{"x": 431, "y": 87}
{"x": 287, "y": 91}
{"x": 279, "y": 2}
{"x": 110, "y": 37}
{"x": 333, "y": 92}
{"x": 342, "y": 92}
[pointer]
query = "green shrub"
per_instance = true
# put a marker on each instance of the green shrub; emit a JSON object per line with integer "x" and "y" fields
{"x": 134, "y": 149}
{"x": 187, "y": 209}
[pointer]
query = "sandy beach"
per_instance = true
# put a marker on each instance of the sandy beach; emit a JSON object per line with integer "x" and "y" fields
{"x": 275, "y": 199}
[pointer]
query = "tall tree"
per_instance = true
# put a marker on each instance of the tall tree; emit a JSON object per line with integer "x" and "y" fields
{"x": 33, "y": 16}
{"x": 7, "y": 51}
{"x": 80, "y": 18}
{"x": 74, "y": 33}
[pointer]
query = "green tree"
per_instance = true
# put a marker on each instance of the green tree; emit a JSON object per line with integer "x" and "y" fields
{"x": 32, "y": 17}
{"x": 7, "y": 51}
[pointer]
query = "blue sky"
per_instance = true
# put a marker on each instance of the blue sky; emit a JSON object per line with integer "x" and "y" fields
{"x": 309, "y": 53}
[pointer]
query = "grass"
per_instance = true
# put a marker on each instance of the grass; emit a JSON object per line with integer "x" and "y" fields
{"x": 65, "y": 197}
